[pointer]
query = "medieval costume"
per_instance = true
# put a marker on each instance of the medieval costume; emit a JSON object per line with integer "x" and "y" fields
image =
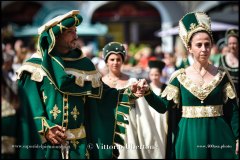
{"x": 66, "y": 90}
{"x": 207, "y": 116}
{"x": 233, "y": 71}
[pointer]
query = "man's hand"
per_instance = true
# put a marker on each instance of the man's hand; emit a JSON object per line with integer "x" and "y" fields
{"x": 56, "y": 135}
{"x": 139, "y": 88}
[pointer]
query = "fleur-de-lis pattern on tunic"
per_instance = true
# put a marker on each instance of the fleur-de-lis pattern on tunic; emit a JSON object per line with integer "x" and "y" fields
{"x": 75, "y": 112}
{"x": 55, "y": 111}
{"x": 75, "y": 143}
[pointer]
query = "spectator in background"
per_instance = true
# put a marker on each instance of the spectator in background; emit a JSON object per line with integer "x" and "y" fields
{"x": 183, "y": 57}
{"x": 222, "y": 46}
{"x": 158, "y": 52}
{"x": 100, "y": 64}
{"x": 170, "y": 67}
{"x": 143, "y": 56}
{"x": 215, "y": 55}
{"x": 217, "y": 51}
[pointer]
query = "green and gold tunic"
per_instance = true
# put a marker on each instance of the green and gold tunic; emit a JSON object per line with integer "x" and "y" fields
{"x": 78, "y": 101}
{"x": 208, "y": 123}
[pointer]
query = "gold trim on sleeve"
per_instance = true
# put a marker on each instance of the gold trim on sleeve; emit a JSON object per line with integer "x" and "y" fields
{"x": 172, "y": 93}
{"x": 78, "y": 133}
{"x": 228, "y": 92}
{"x": 36, "y": 71}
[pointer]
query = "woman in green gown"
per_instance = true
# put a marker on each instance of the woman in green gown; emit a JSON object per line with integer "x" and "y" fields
{"x": 206, "y": 105}
{"x": 230, "y": 60}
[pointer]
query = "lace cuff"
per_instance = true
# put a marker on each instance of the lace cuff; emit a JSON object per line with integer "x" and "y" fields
{"x": 228, "y": 92}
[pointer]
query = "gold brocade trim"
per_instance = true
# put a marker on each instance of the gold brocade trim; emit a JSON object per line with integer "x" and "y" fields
{"x": 73, "y": 59}
{"x": 81, "y": 76}
{"x": 97, "y": 95}
{"x": 202, "y": 111}
{"x": 65, "y": 111}
{"x": 7, "y": 108}
{"x": 201, "y": 92}
{"x": 44, "y": 124}
{"x": 228, "y": 92}
{"x": 175, "y": 74}
{"x": 172, "y": 93}
{"x": 78, "y": 133}
{"x": 8, "y": 145}
{"x": 51, "y": 46}
{"x": 35, "y": 69}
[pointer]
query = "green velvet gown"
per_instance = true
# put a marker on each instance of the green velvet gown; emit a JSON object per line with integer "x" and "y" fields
{"x": 70, "y": 94}
{"x": 206, "y": 122}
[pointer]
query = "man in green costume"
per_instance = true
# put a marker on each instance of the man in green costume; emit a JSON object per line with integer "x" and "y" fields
{"x": 75, "y": 114}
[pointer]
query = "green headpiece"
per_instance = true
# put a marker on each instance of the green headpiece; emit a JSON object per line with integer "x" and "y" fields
{"x": 156, "y": 64}
{"x": 191, "y": 23}
{"x": 57, "y": 25}
{"x": 231, "y": 33}
{"x": 54, "y": 63}
{"x": 114, "y": 47}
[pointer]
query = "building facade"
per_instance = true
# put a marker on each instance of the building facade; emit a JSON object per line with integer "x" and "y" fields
{"x": 129, "y": 22}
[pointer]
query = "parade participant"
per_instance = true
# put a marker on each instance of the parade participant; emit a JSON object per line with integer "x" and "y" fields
{"x": 230, "y": 60}
{"x": 145, "y": 135}
{"x": 208, "y": 126}
{"x": 74, "y": 112}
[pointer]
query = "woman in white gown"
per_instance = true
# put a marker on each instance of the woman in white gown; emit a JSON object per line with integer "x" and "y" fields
{"x": 145, "y": 135}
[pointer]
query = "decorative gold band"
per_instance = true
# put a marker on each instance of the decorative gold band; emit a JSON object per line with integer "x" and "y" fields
{"x": 202, "y": 111}
{"x": 78, "y": 133}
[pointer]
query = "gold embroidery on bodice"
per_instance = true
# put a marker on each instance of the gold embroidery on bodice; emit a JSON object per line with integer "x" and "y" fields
{"x": 201, "y": 92}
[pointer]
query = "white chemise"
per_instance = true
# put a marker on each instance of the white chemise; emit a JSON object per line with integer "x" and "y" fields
{"x": 146, "y": 133}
